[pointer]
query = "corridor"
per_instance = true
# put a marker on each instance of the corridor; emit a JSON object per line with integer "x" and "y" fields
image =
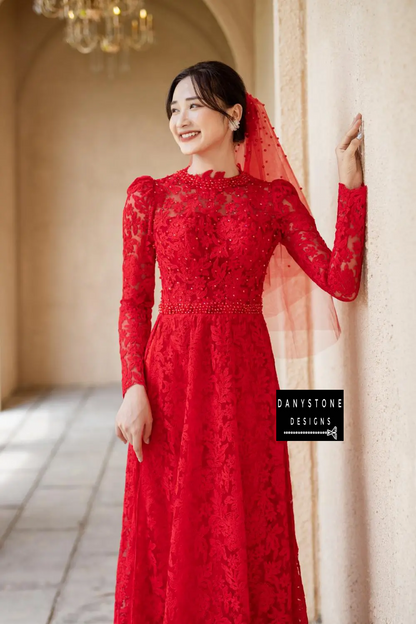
{"x": 61, "y": 493}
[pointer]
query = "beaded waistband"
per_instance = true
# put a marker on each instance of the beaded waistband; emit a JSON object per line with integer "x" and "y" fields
{"x": 211, "y": 307}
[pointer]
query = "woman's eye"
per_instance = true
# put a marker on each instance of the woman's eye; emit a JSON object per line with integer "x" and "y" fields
{"x": 175, "y": 109}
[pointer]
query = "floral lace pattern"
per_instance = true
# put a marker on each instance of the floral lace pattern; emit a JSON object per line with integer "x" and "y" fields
{"x": 208, "y": 532}
{"x": 337, "y": 272}
{"x": 139, "y": 260}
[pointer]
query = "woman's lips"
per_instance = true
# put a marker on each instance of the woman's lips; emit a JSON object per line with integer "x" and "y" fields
{"x": 189, "y": 138}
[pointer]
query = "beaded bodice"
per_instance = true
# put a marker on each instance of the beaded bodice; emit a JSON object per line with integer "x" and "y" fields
{"x": 213, "y": 237}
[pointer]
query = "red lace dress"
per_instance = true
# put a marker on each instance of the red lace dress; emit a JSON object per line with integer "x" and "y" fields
{"x": 208, "y": 533}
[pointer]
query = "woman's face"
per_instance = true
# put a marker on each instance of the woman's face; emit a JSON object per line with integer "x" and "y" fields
{"x": 191, "y": 115}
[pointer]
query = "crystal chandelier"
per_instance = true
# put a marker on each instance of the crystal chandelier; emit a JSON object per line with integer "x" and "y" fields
{"x": 102, "y": 26}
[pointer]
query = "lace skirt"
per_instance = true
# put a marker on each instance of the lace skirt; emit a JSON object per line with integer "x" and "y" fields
{"x": 208, "y": 533}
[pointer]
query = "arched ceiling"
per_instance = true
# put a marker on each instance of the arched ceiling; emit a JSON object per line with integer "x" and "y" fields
{"x": 236, "y": 19}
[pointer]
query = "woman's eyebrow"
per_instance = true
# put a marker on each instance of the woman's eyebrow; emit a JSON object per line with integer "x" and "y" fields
{"x": 190, "y": 98}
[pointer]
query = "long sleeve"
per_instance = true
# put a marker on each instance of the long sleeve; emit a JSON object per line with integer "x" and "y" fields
{"x": 135, "y": 313}
{"x": 338, "y": 272}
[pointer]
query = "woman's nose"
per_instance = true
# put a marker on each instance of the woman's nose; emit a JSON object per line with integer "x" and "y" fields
{"x": 183, "y": 119}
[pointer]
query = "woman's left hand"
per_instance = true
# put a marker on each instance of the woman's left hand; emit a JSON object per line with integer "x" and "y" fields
{"x": 350, "y": 171}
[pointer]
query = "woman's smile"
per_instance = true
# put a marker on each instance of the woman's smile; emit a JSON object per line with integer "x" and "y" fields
{"x": 188, "y": 136}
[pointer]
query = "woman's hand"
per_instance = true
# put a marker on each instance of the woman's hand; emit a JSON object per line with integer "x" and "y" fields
{"x": 134, "y": 419}
{"x": 350, "y": 171}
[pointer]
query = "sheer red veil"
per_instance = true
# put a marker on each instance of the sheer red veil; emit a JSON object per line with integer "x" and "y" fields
{"x": 298, "y": 310}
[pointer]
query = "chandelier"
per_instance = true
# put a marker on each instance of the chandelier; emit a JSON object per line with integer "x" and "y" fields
{"x": 102, "y": 27}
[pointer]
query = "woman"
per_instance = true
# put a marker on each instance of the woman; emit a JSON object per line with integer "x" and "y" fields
{"x": 208, "y": 532}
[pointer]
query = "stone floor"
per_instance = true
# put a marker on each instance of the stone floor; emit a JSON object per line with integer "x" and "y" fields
{"x": 61, "y": 494}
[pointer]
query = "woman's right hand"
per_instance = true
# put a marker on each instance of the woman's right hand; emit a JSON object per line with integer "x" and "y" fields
{"x": 134, "y": 419}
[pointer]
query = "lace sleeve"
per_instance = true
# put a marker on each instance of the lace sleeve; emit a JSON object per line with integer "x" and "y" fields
{"x": 338, "y": 272}
{"x": 137, "y": 300}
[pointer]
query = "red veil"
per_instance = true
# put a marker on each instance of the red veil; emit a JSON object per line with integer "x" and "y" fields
{"x": 293, "y": 305}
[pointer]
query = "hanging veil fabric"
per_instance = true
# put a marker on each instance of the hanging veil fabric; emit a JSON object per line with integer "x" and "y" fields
{"x": 298, "y": 310}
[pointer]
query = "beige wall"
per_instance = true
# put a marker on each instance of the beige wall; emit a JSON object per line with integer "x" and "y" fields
{"x": 8, "y": 217}
{"x": 362, "y": 58}
{"x": 81, "y": 140}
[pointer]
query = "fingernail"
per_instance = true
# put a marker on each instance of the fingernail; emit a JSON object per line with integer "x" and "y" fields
{"x": 359, "y": 135}
{"x": 147, "y": 441}
{"x": 140, "y": 460}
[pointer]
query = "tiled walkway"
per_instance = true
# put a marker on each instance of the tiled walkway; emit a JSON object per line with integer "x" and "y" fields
{"x": 61, "y": 494}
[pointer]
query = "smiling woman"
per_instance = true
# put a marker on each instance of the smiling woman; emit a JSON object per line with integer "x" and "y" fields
{"x": 195, "y": 104}
{"x": 208, "y": 532}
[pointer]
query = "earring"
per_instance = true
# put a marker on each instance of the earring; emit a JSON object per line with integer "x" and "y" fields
{"x": 234, "y": 124}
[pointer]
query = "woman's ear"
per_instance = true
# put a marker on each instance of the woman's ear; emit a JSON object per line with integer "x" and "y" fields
{"x": 238, "y": 112}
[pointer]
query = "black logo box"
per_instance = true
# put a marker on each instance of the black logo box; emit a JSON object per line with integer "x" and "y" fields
{"x": 310, "y": 415}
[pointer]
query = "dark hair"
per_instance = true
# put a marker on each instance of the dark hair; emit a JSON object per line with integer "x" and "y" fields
{"x": 213, "y": 81}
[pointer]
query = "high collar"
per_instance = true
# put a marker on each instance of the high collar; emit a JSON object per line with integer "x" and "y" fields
{"x": 206, "y": 180}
